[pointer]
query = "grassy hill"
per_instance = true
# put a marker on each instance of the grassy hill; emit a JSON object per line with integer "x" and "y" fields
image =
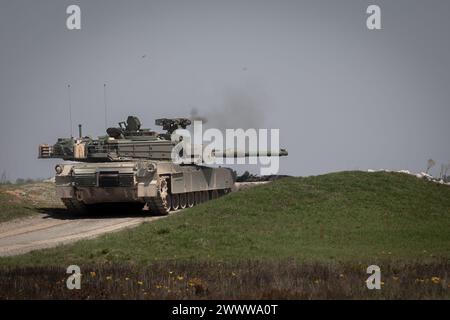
{"x": 338, "y": 217}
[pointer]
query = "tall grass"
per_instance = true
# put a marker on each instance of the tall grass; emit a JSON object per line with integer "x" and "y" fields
{"x": 236, "y": 280}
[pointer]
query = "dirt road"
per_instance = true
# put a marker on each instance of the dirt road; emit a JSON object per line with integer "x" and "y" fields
{"x": 45, "y": 231}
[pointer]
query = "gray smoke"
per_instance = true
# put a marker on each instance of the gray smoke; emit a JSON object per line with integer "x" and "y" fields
{"x": 239, "y": 109}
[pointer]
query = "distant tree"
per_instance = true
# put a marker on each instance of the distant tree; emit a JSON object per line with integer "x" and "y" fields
{"x": 3, "y": 179}
{"x": 430, "y": 164}
{"x": 244, "y": 177}
{"x": 446, "y": 169}
{"x": 20, "y": 181}
{"x": 249, "y": 177}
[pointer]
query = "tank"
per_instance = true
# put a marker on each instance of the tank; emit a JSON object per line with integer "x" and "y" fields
{"x": 134, "y": 166}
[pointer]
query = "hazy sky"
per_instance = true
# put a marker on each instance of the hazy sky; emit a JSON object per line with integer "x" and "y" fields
{"x": 343, "y": 97}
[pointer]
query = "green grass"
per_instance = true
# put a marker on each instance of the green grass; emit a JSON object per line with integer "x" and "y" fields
{"x": 20, "y": 201}
{"x": 338, "y": 217}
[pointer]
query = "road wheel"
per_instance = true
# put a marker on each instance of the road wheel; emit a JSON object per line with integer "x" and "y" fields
{"x": 224, "y": 192}
{"x": 205, "y": 196}
{"x": 175, "y": 201}
{"x": 183, "y": 200}
{"x": 198, "y": 197}
{"x": 190, "y": 199}
{"x": 165, "y": 195}
{"x": 167, "y": 204}
{"x": 214, "y": 194}
{"x": 162, "y": 203}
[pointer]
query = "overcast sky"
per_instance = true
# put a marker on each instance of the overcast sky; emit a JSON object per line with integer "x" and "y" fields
{"x": 342, "y": 96}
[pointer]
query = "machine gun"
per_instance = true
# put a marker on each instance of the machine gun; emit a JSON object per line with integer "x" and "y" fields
{"x": 129, "y": 130}
{"x": 171, "y": 125}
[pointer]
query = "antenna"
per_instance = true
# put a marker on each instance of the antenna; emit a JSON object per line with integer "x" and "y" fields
{"x": 70, "y": 110}
{"x": 106, "y": 108}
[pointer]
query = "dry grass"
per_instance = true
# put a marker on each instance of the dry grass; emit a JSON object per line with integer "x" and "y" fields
{"x": 19, "y": 201}
{"x": 238, "y": 280}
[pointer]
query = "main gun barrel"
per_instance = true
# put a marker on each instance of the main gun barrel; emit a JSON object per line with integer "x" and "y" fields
{"x": 232, "y": 153}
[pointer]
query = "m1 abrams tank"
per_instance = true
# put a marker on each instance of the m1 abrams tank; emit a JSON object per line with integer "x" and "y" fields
{"x": 133, "y": 166}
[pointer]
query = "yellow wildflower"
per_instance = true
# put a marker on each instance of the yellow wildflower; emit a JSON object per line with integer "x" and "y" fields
{"x": 435, "y": 279}
{"x": 195, "y": 282}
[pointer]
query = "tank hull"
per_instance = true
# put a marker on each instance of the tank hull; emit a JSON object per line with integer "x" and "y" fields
{"x": 161, "y": 185}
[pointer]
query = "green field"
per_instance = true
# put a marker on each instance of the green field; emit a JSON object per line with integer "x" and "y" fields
{"x": 346, "y": 217}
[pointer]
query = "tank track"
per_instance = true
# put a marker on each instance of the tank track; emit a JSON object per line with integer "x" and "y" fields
{"x": 156, "y": 205}
{"x": 75, "y": 206}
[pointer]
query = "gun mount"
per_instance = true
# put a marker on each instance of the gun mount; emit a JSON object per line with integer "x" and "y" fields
{"x": 131, "y": 129}
{"x": 171, "y": 125}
